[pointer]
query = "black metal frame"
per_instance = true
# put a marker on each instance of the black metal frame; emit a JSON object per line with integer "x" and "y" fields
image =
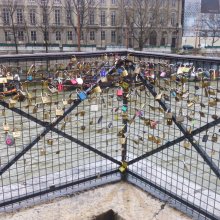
{"x": 48, "y": 127}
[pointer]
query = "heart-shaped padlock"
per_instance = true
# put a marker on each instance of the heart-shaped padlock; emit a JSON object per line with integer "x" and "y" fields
{"x": 9, "y": 140}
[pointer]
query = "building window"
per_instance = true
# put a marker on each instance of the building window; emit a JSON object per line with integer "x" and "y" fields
{"x": 173, "y": 19}
{"x": 102, "y": 35}
{"x": 58, "y": 35}
{"x": 92, "y": 35}
{"x": 173, "y": 3}
{"x": 21, "y": 35}
{"x": 45, "y": 19}
{"x": 33, "y": 36}
{"x": 68, "y": 17}
{"x": 33, "y": 16}
{"x": 102, "y": 2}
{"x": 7, "y": 36}
{"x": 113, "y": 18}
{"x": 57, "y": 17}
{"x": 113, "y": 36}
{"x": 19, "y": 16}
{"x": 91, "y": 18}
{"x": 113, "y": 2}
{"x": 69, "y": 35}
{"x": 6, "y": 16}
{"x": 102, "y": 18}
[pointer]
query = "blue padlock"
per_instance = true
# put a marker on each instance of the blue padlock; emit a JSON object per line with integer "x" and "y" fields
{"x": 120, "y": 70}
{"x": 124, "y": 108}
{"x": 173, "y": 93}
{"x": 82, "y": 95}
{"x": 29, "y": 77}
{"x": 103, "y": 72}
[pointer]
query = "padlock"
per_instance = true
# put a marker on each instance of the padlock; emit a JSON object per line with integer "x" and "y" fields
{"x": 79, "y": 80}
{"x": 35, "y": 109}
{"x": 12, "y": 103}
{"x": 214, "y": 137}
{"x": 162, "y": 74}
{"x": 122, "y": 140}
{"x": 119, "y": 91}
{"x": 186, "y": 145}
{"x": 81, "y": 95}
{"x": 50, "y": 141}
{"x": 65, "y": 102}
{"x": 59, "y": 111}
{"x": 124, "y": 73}
{"x": 73, "y": 81}
{"x": 9, "y": 140}
{"x": 83, "y": 128}
{"x": 45, "y": 84}
{"x": 9, "y": 76}
{"x": 180, "y": 118}
{"x": 16, "y": 134}
{"x": 169, "y": 121}
{"x": 3, "y": 80}
{"x": 205, "y": 138}
{"x": 6, "y": 127}
{"x": 73, "y": 59}
{"x": 168, "y": 115}
{"x": 173, "y": 93}
{"x": 158, "y": 96}
{"x": 46, "y": 115}
{"x": 97, "y": 89}
{"x": 29, "y": 77}
{"x": 42, "y": 151}
{"x": 153, "y": 124}
{"x": 124, "y": 85}
{"x": 45, "y": 99}
{"x": 103, "y": 72}
{"x": 124, "y": 108}
{"x": 60, "y": 87}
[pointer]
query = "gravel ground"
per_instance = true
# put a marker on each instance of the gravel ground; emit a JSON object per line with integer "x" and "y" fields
{"x": 125, "y": 199}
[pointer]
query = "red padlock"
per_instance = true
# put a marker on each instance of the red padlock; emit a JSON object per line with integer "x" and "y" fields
{"x": 73, "y": 81}
{"x": 119, "y": 91}
{"x": 60, "y": 87}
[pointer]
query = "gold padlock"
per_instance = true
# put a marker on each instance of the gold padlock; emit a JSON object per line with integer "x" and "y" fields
{"x": 59, "y": 111}
{"x": 50, "y": 141}
{"x": 42, "y": 151}
{"x": 214, "y": 137}
{"x": 46, "y": 115}
{"x": 12, "y": 103}
{"x": 124, "y": 73}
{"x": 6, "y": 127}
{"x": 97, "y": 89}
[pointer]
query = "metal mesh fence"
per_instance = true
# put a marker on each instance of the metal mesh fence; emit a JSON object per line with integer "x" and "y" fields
{"x": 150, "y": 119}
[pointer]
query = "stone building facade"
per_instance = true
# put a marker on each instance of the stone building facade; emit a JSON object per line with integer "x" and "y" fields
{"x": 103, "y": 24}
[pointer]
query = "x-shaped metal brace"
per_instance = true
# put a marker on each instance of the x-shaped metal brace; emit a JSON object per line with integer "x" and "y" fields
{"x": 183, "y": 129}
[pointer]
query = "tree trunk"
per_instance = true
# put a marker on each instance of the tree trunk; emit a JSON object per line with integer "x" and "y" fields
{"x": 78, "y": 32}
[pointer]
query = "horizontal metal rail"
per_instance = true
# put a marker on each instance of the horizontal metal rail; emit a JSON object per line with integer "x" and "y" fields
{"x": 55, "y": 188}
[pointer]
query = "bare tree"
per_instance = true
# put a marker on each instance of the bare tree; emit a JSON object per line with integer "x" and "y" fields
{"x": 211, "y": 27}
{"x": 142, "y": 17}
{"x": 8, "y": 17}
{"x": 78, "y": 14}
{"x": 43, "y": 23}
